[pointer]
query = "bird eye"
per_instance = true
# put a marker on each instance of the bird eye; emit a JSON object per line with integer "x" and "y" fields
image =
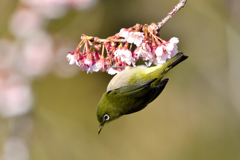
{"x": 106, "y": 117}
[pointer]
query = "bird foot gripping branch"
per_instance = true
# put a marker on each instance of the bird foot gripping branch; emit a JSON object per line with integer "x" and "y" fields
{"x": 132, "y": 89}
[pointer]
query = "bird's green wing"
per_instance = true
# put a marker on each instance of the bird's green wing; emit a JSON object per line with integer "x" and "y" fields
{"x": 134, "y": 90}
{"x": 156, "y": 90}
{"x": 151, "y": 94}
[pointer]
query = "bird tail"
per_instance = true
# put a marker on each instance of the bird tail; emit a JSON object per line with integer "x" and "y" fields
{"x": 178, "y": 58}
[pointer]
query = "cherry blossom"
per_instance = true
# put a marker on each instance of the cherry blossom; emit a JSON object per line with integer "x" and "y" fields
{"x": 132, "y": 37}
{"x": 162, "y": 56}
{"x": 166, "y": 50}
{"x": 124, "y": 33}
{"x": 135, "y": 37}
{"x": 119, "y": 52}
{"x": 125, "y": 55}
{"x": 172, "y": 47}
{"x": 145, "y": 52}
{"x": 99, "y": 65}
{"x": 71, "y": 59}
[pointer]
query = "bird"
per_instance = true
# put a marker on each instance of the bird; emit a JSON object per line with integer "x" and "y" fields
{"x": 133, "y": 89}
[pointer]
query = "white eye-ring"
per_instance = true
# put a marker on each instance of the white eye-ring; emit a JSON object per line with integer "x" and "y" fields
{"x": 106, "y": 117}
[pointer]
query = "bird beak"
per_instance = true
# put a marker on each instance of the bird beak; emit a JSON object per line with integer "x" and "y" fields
{"x": 100, "y": 127}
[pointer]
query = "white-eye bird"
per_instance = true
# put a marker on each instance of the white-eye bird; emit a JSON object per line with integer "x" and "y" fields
{"x": 133, "y": 89}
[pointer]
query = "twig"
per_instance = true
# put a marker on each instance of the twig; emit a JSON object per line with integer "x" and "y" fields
{"x": 149, "y": 47}
{"x": 159, "y": 25}
{"x": 98, "y": 40}
{"x": 180, "y": 5}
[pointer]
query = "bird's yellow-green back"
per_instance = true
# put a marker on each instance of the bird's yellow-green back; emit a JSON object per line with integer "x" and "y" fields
{"x": 142, "y": 73}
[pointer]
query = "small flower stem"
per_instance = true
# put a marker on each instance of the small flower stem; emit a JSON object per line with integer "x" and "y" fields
{"x": 130, "y": 48}
{"x": 103, "y": 50}
{"x": 153, "y": 42}
{"x": 80, "y": 44}
{"x": 107, "y": 52}
{"x": 180, "y": 5}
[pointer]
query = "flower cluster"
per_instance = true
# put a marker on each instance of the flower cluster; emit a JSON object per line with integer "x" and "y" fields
{"x": 118, "y": 51}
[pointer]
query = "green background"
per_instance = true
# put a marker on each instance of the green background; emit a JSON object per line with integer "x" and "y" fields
{"x": 197, "y": 116}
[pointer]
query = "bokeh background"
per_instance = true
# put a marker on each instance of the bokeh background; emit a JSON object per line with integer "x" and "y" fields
{"x": 47, "y": 107}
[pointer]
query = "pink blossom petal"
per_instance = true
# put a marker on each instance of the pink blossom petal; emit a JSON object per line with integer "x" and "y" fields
{"x": 144, "y": 51}
{"x": 136, "y": 38}
{"x": 159, "y": 51}
{"x": 89, "y": 69}
{"x": 171, "y": 47}
{"x": 88, "y": 62}
{"x": 124, "y": 33}
{"x": 71, "y": 59}
{"x": 125, "y": 55}
{"x": 112, "y": 71}
{"x": 174, "y": 40}
{"x": 99, "y": 65}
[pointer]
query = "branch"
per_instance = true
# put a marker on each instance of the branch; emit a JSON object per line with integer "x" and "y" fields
{"x": 157, "y": 27}
{"x": 98, "y": 40}
{"x": 119, "y": 54}
{"x": 180, "y": 5}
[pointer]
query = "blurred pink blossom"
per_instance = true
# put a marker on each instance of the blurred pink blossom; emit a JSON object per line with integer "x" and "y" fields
{"x": 48, "y": 8}
{"x": 25, "y": 22}
{"x": 37, "y": 55}
{"x": 7, "y": 54}
{"x": 15, "y": 96}
{"x": 57, "y": 8}
{"x": 15, "y": 148}
{"x": 82, "y": 4}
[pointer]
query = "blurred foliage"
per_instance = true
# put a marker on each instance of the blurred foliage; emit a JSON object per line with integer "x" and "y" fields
{"x": 196, "y": 117}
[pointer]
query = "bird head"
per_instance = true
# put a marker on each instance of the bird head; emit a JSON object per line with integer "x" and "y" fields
{"x": 106, "y": 111}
